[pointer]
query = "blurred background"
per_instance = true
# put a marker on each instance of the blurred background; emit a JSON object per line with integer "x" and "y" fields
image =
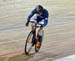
{"x": 59, "y": 33}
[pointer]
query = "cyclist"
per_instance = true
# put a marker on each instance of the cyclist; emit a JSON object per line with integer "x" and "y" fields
{"x": 40, "y": 15}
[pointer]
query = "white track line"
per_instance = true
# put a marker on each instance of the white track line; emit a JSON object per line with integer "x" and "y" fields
{"x": 68, "y": 58}
{"x": 8, "y": 42}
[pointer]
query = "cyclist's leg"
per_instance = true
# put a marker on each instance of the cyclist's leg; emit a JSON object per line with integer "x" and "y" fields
{"x": 39, "y": 37}
{"x": 43, "y": 23}
{"x": 33, "y": 31}
{"x": 34, "y": 22}
{"x": 40, "y": 33}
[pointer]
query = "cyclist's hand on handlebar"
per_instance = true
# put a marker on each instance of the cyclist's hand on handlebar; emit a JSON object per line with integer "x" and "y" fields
{"x": 27, "y": 24}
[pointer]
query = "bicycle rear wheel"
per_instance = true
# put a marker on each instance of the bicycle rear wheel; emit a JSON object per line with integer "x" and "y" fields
{"x": 28, "y": 44}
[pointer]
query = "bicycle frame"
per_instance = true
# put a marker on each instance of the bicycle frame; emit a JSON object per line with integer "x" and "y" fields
{"x": 34, "y": 38}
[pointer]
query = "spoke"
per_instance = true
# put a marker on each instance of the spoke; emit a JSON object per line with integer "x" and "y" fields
{"x": 30, "y": 48}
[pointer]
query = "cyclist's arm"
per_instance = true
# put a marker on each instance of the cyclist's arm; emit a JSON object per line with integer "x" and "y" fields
{"x": 46, "y": 18}
{"x": 30, "y": 15}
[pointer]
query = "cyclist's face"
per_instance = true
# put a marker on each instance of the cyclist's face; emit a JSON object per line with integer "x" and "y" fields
{"x": 39, "y": 11}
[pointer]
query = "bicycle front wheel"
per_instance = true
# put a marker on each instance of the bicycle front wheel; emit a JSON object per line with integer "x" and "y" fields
{"x": 28, "y": 44}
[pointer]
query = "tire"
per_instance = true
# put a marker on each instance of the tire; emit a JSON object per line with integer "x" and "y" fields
{"x": 28, "y": 44}
{"x": 38, "y": 48}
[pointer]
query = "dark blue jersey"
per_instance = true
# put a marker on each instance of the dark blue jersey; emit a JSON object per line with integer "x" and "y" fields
{"x": 42, "y": 16}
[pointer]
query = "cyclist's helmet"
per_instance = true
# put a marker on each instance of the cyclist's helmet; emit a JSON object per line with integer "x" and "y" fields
{"x": 39, "y": 8}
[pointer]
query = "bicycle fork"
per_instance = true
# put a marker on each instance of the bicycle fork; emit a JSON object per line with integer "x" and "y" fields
{"x": 34, "y": 37}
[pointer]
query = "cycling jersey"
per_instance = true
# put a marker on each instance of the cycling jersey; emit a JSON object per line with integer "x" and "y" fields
{"x": 41, "y": 17}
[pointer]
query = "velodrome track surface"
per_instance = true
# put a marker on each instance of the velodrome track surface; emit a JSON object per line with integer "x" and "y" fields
{"x": 59, "y": 39}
